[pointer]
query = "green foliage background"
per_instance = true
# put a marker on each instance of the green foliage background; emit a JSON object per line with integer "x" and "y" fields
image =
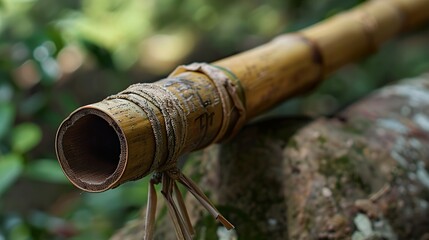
{"x": 58, "y": 55}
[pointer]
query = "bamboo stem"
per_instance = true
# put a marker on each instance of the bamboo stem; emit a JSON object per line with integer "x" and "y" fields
{"x": 129, "y": 135}
{"x": 295, "y": 62}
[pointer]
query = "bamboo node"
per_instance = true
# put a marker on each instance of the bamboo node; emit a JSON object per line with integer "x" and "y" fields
{"x": 369, "y": 27}
{"x": 231, "y": 94}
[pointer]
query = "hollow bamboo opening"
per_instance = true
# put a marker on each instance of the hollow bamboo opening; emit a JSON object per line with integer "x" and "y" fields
{"x": 95, "y": 156}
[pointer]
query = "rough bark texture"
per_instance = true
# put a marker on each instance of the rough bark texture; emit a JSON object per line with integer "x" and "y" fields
{"x": 360, "y": 175}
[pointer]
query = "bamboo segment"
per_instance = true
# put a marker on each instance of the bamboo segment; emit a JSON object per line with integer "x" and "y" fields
{"x": 146, "y": 127}
{"x": 85, "y": 155}
{"x": 295, "y": 62}
{"x": 287, "y": 65}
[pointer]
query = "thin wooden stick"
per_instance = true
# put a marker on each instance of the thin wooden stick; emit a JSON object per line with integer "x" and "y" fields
{"x": 130, "y": 135}
{"x": 150, "y": 212}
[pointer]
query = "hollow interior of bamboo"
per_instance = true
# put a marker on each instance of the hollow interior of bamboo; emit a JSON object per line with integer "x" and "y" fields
{"x": 93, "y": 147}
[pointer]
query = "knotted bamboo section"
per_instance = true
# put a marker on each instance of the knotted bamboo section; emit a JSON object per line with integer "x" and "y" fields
{"x": 147, "y": 127}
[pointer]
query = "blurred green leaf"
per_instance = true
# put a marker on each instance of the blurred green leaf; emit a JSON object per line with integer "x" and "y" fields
{"x": 46, "y": 170}
{"x": 10, "y": 169}
{"x": 25, "y": 136}
{"x": 20, "y": 232}
{"x": 7, "y": 114}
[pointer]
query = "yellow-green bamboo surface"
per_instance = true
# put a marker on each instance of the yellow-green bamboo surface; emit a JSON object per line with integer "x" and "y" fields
{"x": 105, "y": 144}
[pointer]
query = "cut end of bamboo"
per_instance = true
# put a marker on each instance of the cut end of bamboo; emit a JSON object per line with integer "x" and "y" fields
{"x": 91, "y": 149}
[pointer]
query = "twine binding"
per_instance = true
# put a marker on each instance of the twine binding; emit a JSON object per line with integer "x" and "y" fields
{"x": 168, "y": 148}
{"x": 230, "y": 92}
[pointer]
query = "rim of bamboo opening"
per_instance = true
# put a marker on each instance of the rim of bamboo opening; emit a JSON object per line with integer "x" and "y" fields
{"x": 96, "y": 154}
